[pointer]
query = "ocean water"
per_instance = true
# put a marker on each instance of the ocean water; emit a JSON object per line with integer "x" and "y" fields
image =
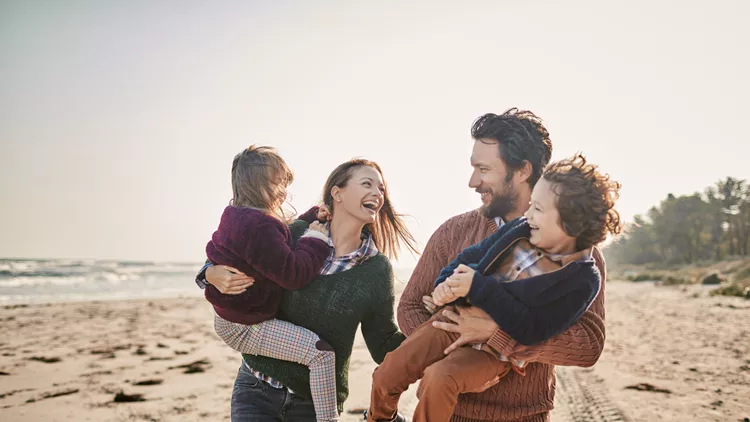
{"x": 63, "y": 280}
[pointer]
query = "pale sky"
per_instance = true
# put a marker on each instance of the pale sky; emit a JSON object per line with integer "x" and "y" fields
{"x": 119, "y": 120}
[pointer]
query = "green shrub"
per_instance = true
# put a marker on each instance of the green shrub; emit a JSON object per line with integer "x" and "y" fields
{"x": 732, "y": 289}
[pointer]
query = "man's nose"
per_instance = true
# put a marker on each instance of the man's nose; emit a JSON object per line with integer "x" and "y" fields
{"x": 474, "y": 181}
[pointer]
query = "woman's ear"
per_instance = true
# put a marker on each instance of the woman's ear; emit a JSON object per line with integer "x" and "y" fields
{"x": 336, "y": 194}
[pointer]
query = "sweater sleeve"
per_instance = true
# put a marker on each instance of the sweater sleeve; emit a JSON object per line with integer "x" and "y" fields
{"x": 411, "y": 311}
{"x": 580, "y": 345}
{"x": 290, "y": 267}
{"x": 471, "y": 255}
{"x": 310, "y": 215}
{"x": 534, "y": 309}
{"x": 298, "y": 228}
{"x": 378, "y": 327}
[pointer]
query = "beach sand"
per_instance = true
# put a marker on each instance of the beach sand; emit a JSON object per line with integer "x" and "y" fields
{"x": 68, "y": 362}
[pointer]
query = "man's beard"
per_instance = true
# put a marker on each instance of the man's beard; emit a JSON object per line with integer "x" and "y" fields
{"x": 501, "y": 204}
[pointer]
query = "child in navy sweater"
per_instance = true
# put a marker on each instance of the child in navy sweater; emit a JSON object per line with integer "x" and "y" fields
{"x": 535, "y": 277}
{"x": 252, "y": 238}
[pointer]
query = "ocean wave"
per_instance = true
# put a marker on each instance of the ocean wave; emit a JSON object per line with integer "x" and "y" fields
{"x": 20, "y": 279}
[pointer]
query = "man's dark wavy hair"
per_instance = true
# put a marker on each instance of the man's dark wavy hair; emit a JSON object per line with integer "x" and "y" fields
{"x": 520, "y": 135}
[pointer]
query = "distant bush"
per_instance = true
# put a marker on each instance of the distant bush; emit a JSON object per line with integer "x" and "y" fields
{"x": 644, "y": 277}
{"x": 713, "y": 278}
{"x": 662, "y": 278}
{"x": 675, "y": 279}
{"x": 732, "y": 289}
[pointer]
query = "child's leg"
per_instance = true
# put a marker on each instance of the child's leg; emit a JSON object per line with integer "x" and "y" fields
{"x": 463, "y": 370}
{"x": 404, "y": 366}
{"x": 285, "y": 341}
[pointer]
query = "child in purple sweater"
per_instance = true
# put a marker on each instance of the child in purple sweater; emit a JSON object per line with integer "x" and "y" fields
{"x": 252, "y": 238}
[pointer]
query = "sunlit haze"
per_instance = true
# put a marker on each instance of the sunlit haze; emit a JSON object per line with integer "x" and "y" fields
{"x": 120, "y": 120}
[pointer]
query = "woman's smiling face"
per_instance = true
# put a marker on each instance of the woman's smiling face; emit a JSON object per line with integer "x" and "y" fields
{"x": 362, "y": 197}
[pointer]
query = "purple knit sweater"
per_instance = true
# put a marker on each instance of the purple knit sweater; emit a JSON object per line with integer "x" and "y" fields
{"x": 261, "y": 247}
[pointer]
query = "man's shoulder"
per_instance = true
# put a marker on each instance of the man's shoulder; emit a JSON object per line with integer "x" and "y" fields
{"x": 463, "y": 230}
{"x": 471, "y": 218}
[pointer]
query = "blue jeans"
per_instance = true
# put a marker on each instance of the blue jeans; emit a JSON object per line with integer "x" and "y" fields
{"x": 255, "y": 401}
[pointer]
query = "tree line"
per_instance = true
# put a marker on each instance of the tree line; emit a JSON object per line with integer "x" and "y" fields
{"x": 709, "y": 225}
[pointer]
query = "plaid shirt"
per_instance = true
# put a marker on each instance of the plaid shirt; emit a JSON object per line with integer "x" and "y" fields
{"x": 335, "y": 265}
{"x": 332, "y": 265}
{"x": 528, "y": 262}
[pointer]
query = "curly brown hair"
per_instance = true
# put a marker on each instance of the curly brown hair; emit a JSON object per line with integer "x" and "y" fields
{"x": 585, "y": 200}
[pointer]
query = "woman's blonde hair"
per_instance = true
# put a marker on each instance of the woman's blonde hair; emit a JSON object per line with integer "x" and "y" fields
{"x": 259, "y": 180}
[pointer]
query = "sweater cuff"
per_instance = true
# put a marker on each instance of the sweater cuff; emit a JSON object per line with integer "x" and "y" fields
{"x": 502, "y": 342}
{"x": 200, "y": 279}
{"x": 316, "y": 234}
{"x": 310, "y": 215}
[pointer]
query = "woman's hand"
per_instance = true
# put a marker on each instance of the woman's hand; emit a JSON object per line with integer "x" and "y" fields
{"x": 491, "y": 383}
{"x": 228, "y": 280}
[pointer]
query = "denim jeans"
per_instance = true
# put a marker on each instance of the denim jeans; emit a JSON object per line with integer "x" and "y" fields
{"x": 255, "y": 401}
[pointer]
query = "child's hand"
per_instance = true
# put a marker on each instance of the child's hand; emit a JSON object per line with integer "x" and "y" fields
{"x": 460, "y": 281}
{"x": 324, "y": 214}
{"x": 429, "y": 304}
{"x": 442, "y": 295}
{"x": 319, "y": 227}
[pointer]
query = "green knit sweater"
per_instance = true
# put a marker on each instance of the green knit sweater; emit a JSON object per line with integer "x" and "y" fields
{"x": 333, "y": 306}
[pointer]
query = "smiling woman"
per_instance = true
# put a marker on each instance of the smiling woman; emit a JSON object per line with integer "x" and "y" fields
{"x": 354, "y": 287}
{"x": 357, "y": 189}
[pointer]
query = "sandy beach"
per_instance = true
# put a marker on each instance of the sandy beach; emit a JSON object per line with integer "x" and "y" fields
{"x": 159, "y": 360}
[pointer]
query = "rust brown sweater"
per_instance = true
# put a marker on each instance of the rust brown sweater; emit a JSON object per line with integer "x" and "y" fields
{"x": 516, "y": 398}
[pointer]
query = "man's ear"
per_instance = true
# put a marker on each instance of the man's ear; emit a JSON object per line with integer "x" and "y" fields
{"x": 524, "y": 172}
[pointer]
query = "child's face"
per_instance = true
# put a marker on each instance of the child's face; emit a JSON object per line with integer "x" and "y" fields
{"x": 544, "y": 219}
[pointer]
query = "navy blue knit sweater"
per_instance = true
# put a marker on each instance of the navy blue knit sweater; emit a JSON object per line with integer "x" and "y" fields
{"x": 533, "y": 309}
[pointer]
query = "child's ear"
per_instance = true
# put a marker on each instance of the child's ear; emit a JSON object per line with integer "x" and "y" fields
{"x": 524, "y": 172}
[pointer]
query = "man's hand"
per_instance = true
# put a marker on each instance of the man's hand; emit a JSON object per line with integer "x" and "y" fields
{"x": 473, "y": 324}
{"x": 443, "y": 294}
{"x": 491, "y": 383}
{"x": 228, "y": 280}
{"x": 460, "y": 281}
{"x": 525, "y": 353}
